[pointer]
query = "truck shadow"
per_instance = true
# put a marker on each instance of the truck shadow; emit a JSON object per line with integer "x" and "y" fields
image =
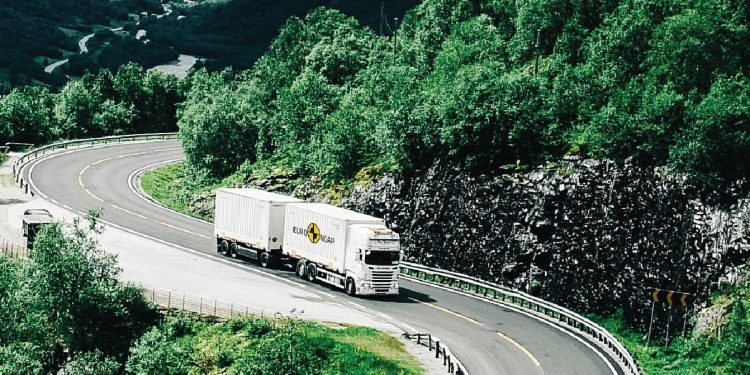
{"x": 404, "y": 296}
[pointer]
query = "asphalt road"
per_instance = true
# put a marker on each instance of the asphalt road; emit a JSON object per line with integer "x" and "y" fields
{"x": 487, "y": 338}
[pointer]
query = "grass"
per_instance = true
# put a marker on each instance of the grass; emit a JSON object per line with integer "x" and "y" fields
{"x": 163, "y": 184}
{"x": 383, "y": 347}
{"x": 684, "y": 356}
{"x": 268, "y": 346}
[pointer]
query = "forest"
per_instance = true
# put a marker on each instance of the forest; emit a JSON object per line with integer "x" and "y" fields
{"x": 484, "y": 84}
{"x": 34, "y": 33}
{"x": 477, "y": 84}
{"x": 132, "y": 100}
{"x": 236, "y": 33}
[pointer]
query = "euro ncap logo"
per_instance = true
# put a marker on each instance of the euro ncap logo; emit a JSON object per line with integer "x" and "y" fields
{"x": 313, "y": 233}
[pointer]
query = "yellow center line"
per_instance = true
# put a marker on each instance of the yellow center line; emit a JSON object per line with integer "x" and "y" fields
{"x": 521, "y": 348}
{"x": 464, "y": 317}
{"x": 80, "y": 182}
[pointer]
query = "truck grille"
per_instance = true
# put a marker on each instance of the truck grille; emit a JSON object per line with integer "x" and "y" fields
{"x": 382, "y": 280}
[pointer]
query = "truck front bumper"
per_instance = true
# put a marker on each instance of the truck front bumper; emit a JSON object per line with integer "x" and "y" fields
{"x": 367, "y": 289}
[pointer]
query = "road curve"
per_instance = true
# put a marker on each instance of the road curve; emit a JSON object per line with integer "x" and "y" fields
{"x": 487, "y": 338}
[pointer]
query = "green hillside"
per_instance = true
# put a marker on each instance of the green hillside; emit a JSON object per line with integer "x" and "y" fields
{"x": 483, "y": 84}
{"x": 34, "y": 33}
{"x": 236, "y": 33}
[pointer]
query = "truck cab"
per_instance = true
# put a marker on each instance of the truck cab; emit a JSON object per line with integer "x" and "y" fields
{"x": 373, "y": 260}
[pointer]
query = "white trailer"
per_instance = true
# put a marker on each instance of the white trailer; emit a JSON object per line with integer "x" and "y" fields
{"x": 250, "y": 223}
{"x": 343, "y": 248}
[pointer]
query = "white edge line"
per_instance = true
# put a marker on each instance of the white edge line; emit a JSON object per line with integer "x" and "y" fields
{"x": 520, "y": 311}
{"x": 357, "y": 305}
{"x": 140, "y": 194}
{"x": 383, "y": 315}
{"x": 326, "y": 294}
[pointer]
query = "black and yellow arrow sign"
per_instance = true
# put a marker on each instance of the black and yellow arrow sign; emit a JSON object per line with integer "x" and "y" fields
{"x": 669, "y": 297}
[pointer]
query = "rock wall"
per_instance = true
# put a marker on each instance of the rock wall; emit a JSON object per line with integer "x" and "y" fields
{"x": 586, "y": 234}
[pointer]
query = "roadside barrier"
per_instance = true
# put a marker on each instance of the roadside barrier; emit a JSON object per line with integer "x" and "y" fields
{"x": 449, "y": 361}
{"x": 201, "y": 305}
{"x": 494, "y": 292}
{"x": 12, "y": 250}
{"x": 79, "y": 143}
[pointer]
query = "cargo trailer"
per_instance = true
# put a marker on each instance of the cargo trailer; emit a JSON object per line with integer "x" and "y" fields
{"x": 250, "y": 223}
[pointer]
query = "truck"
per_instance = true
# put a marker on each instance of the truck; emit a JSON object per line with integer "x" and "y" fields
{"x": 250, "y": 223}
{"x": 343, "y": 248}
{"x": 32, "y": 221}
{"x": 320, "y": 242}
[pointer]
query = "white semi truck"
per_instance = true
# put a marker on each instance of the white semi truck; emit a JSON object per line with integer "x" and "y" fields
{"x": 343, "y": 248}
{"x": 346, "y": 249}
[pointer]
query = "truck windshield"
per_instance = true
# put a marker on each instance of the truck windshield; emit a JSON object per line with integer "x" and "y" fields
{"x": 382, "y": 258}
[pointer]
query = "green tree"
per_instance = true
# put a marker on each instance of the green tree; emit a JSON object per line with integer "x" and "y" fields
{"x": 302, "y": 109}
{"x": 716, "y": 144}
{"x": 216, "y": 135}
{"x": 114, "y": 118}
{"x": 74, "y": 284}
{"x": 26, "y": 115}
{"x": 92, "y": 363}
{"x": 75, "y": 108}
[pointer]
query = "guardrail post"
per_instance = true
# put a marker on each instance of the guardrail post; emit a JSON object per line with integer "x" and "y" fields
{"x": 437, "y": 349}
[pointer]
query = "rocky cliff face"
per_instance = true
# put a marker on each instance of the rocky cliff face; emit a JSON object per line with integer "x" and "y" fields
{"x": 586, "y": 234}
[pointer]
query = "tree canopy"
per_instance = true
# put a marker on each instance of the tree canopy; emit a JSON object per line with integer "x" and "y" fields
{"x": 486, "y": 83}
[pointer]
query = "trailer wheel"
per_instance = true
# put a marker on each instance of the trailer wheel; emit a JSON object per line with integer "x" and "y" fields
{"x": 312, "y": 273}
{"x": 224, "y": 247}
{"x": 265, "y": 259}
{"x": 350, "y": 287}
{"x": 233, "y": 251}
{"x": 300, "y": 271}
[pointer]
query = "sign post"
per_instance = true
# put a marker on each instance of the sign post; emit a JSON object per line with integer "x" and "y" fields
{"x": 671, "y": 298}
{"x": 650, "y": 323}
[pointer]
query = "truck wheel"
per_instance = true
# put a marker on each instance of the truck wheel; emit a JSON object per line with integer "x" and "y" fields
{"x": 350, "y": 287}
{"x": 224, "y": 247}
{"x": 233, "y": 251}
{"x": 265, "y": 259}
{"x": 300, "y": 271}
{"x": 312, "y": 273}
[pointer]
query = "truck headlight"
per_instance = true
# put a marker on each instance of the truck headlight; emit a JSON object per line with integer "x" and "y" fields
{"x": 395, "y": 285}
{"x": 366, "y": 285}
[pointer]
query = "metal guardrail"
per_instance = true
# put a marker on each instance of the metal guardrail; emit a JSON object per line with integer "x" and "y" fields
{"x": 80, "y": 143}
{"x": 495, "y": 292}
{"x": 201, "y": 305}
{"x": 449, "y": 361}
{"x": 12, "y": 250}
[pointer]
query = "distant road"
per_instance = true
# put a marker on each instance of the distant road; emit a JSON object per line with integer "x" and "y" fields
{"x": 487, "y": 338}
{"x": 51, "y": 67}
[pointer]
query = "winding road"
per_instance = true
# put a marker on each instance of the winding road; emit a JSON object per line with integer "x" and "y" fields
{"x": 487, "y": 338}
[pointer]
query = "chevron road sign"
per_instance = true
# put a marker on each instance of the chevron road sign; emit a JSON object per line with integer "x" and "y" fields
{"x": 669, "y": 297}
{"x": 672, "y": 299}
